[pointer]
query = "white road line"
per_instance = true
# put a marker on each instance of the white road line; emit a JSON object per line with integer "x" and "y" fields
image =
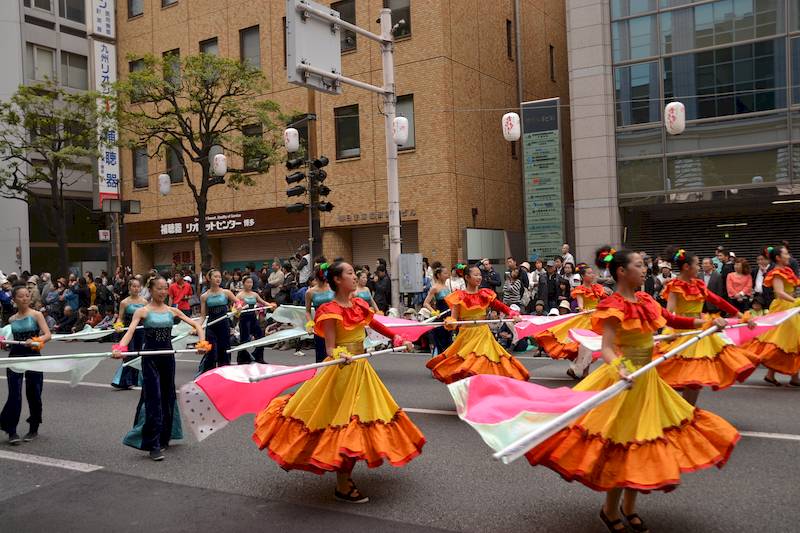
{"x": 49, "y": 461}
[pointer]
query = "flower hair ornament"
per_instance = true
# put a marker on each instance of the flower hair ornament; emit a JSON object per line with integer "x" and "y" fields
{"x": 680, "y": 255}
{"x": 324, "y": 267}
{"x": 609, "y": 256}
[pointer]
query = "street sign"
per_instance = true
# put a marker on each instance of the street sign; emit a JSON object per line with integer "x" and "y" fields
{"x": 313, "y": 42}
{"x": 411, "y": 273}
{"x": 104, "y": 235}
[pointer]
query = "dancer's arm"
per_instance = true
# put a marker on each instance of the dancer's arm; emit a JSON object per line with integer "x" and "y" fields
{"x": 201, "y": 335}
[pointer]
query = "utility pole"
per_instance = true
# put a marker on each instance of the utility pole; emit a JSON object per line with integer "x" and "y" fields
{"x": 314, "y": 228}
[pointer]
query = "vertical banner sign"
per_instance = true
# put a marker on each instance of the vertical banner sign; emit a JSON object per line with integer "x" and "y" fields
{"x": 103, "y": 18}
{"x": 105, "y": 75}
{"x": 544, "y": 205}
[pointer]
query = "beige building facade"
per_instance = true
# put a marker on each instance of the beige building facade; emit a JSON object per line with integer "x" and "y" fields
{"x": 456, "y": 73}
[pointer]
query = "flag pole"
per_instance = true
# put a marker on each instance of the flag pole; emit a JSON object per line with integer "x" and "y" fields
{"x": 332, "y": 362}
{"x": 5, "y": 361}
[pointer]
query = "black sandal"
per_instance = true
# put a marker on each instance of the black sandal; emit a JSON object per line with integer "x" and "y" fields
{"x": 571, "y": 373}
{"x": 351, "y": 496}
{"x": 772, "y": 381}
{"x": 794, "y": 383}
{"x": 638, "y": 528}
{"x": 612, "y": 524}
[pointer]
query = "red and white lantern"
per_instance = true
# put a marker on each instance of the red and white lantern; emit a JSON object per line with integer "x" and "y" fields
{"x": 675, "y": 118}
{"x": 511, "y": 127}
{"x": 291, "y": 140}
{"x": 400, "y": 130}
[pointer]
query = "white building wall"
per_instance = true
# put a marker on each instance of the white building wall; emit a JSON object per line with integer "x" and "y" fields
{"x": 13, "y": 213}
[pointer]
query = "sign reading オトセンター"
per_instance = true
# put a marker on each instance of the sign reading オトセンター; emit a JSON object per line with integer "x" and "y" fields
{"x": 544, "y": 205}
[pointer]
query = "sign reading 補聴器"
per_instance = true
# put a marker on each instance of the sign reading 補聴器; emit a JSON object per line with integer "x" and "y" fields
{"x": 544, "y": 205}
{"x": 214, "y": 224}
{"x": 105, "y": 75}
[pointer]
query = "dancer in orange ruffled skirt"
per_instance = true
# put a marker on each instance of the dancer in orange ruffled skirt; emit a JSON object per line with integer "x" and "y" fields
{"x": 646, "y": 437}
{"x": 344, "y": 414}
{"x": 715, "y": 361}
{"x": 555, "y": 341}
{"x": 779, "y": 348}
{"x": 475, "y": 350}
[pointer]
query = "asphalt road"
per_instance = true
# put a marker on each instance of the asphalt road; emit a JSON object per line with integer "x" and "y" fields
{"x": 79, "y": 477}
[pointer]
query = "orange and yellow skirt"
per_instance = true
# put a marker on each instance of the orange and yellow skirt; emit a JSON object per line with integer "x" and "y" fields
{"x": 643, "y": 439}
{"x": 343, "y": 415}
{"x": 475, "y": 351}
{"x": 555, "y": 341}
{"x": 714, "y": 362}
{"x": 779, "y": 348}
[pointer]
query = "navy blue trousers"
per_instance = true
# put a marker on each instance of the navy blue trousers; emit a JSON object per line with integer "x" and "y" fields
{"x": 158, "y": 396}
{"x": 12, "y": 410}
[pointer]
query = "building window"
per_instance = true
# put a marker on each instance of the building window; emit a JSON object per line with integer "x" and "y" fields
{"x": 634, "y": 39}
{"x": 45, "y": 5}
{"x": 135, "y": 8}
{"x": 172, "y": 67}
{"x": 626, "y": 8}
{"x": 726, "y": 169}
{"x": 174, "y": 168}
{"x": 509, "y": 44}
{"x": 796, "y": 70}
{"x": 552, "y": 56}
{"x": 347, "y": 12}
{"x": 251, "y": 160}
{"x": 74, "y": 70}
{"x": 405, "y": 108}
{"x": 401, "y": 10}
{"x": 728, "y": 81}
{"x": 250, "y": 47}
{"x": 167, "y": 3}
{"x": 74, "y": 10}
{"x": 210, "y": 47}
{"x": 39, "y": 62}
{"x": 637, "y": 94}
{"x": 136, "y": 66}
{"x": 640, "y": 176}
{"x": 140, "y": 160}
{"x": 348, "y": 142}
{"x": 283, "y": 26}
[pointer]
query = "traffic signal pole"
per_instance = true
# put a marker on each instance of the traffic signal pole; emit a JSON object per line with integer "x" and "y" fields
{"x": 314, "y": 227}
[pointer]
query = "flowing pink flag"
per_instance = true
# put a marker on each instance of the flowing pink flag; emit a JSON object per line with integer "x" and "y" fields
{"x": 740, "y": 336}
{"x": 218, "y": 396}
{"x": 532, "y": 324}
{"x": 502, "y": 409}
{"x": 411, "y": 329}
{"x": 589, "y": 340}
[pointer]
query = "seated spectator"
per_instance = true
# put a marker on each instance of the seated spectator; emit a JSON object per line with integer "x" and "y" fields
{"x": 93, "y": 316}
{"x": 108, "y": 320}
{"x": 81, "y": 321}
{"x": 507, "y": 336}
{"x": 67, "y": 321}
{"x": 564, "y": 308}
{"x": 757, "y": 306}
{"x": 538, "y": 308}
{"x": 51, "y": 322}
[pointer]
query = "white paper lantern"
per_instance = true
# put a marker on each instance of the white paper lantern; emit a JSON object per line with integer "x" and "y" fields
{"x": 219, "y": 165}
{"x": 400, "y": 130}
{"x": 511, "y": 128}
{"x": 675, "y": 118}
{"x": 291, "y": 140}
{"x": 164, "y": 184}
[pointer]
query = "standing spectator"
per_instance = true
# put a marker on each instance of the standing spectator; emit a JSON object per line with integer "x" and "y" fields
{"x": 250, "y": 272}
{"x": 236, "y": 284}
{"x": 489, "y": 277}
{"x": 54, "y": 302}
{"x": 726, "y": 267}
{"x": 566, "y": 256}
{"x": 512, "y": 289}
{"x": 6, "y": 303}
{"x": 227, "y": 279}
{"x": 795, "y": 266}
{"x": 759, "y": 289}
{"x": 33, "y": 289}
{"x": 383, "y": 289}
{"x": 740, "y": 285}
{"x": 180, "y": 292}
{"x": 569, "y": 275}
{"x": 548, "y": 286}
{"x": 289, "y": 287}
{"x": 713, "y": 281}
{"x": 51, "y": 322}
{"x": 456, "y": 280}
{"x": 103, "y": 297}
{"x": 427, "y": 269}
{"x": 47, "y": 285}
{"x": 565, "y": 295}
{"x": 559, "y": 263}
{"x": 275, "y": 281}
{"x": 84, "y": 295}
{"x": 92, "y": 287}
{"x": 304, "y": 265}
{"x": 537, "y": 272}
{"x": 511, "y": 264}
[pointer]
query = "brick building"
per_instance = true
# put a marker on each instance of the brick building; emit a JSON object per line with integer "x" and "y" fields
{"x": 456, "y": 73}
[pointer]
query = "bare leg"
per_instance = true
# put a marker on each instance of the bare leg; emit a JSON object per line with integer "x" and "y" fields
{"x": 690, "y": 395}
{"x": 770, "y": 377}
{"x": 795, "y": 379}
{"x": 629, "y": 501}
{"x": 343, "y": 480}
{"x": 611, "y": 508}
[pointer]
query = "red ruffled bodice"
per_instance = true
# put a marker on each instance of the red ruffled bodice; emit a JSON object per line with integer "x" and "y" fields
{"x": 691, "y": 291}
{"x": 594, "y": 292}
{"x": 358, "y": 314}
{"x": 783, "y": 272}
{"x": 478, "y": 300}
{"x": 645, "y": 314}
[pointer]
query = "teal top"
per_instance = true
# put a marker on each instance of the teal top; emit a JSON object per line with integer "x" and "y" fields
{"x": 250, "y": 300}
{"x": 131, "y": 308}
{"x": 25, "y": 324}
{"x": 319, "y": 298}
{"x": 216, "y": 300}
{"x": 364, "y": 295}
{"x": 442, "y": 294}
{"x": 158, "y": 320}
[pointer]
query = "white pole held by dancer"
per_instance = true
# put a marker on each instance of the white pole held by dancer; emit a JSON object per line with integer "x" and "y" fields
{"x": 332, "y": 362}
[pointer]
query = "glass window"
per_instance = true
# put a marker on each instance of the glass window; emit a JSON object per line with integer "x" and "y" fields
{"x": 794, "y": 10}
{"x": 174, "y": 168}
{"x": 727, "y": 169}
{"x": 796, "y": 70}
{"x": 165, "y": 3}
{"x": 401, "y": 10}
{"x": 720, "y": 23}
{"x": 39, "y": 62}
{"x": 348, "y": 142}
{"x": 250, "y": 157}
{"x": 135, "y": 8}
{"x": 730, "y": 132}
{"x": 210, "y": 47}
{"x": 172, "y": 66}
{"x": 40, "y": 4}
{"x": 728, "y": 81}
{"x": 640, "y": 175}
{"x": 74, "y": 70}
{"x": 637, "y": 94}
{"x": 250, "y": 47}
{"x": 637, "y": 143}
{"x": 74, "y": 10}
{"x": 347, "y": 12}
{"x": 405, "y": 108}
{"x": 634, "y": 38}
{"x": 140, "y": 160}
{"x": 625, "y": 8}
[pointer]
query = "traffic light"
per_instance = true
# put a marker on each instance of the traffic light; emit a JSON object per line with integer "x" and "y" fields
{"x": 324, "y": 190}
{"x": 322, "y": 161}
{"x": 295, "y": 163}
{"x": 294, "y": 177}
{"x": 297, "y": 190}
{"x": 296, "y": 208}
{"x": 318, "y": 175}
{"x": 325, "y": 207}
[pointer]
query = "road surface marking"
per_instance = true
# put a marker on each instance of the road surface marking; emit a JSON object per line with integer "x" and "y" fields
{"x": 49, "y": 461}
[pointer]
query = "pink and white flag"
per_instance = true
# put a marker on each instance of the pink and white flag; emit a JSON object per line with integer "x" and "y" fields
{"x": 503, "y": 410}
{"x": 218, "y": 396}
{"x": 740, "y": 336}
{"x": 588, "y": 340}
{"x": 533, "y": 324}
{"x": 411, "y": 330}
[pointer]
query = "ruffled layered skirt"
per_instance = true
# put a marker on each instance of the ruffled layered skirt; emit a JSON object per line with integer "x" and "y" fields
{"x": 343, "y": 415}
{"x": 555, "y": 341}
{"x": 779, "y": 348}
{"x": 475, "y": 351}
{"x": 643, "y": 439}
